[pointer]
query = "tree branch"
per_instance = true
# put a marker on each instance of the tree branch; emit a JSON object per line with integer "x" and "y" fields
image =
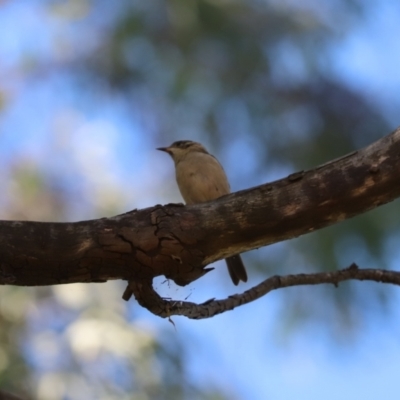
{"x": 148, "y": 298}
{"x": 178, "y": 241}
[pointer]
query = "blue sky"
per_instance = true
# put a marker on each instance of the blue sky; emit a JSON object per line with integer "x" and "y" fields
{"x": 95, "y": 148}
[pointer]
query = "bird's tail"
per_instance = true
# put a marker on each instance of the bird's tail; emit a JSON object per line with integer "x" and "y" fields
{"x": 236, "y": 269}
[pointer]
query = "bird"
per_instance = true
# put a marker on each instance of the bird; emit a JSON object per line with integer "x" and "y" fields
{"x": 200, "y": 178}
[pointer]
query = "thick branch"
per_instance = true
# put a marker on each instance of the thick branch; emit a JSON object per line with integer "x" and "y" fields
{"x": 178, "y": 241}
{"x": 305, "y": 201}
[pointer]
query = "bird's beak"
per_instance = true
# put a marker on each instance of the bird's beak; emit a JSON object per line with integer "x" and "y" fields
{"x": 166, "y": 149}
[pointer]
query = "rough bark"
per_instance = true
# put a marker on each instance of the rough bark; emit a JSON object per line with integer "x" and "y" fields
{"x": 178, "y": 241}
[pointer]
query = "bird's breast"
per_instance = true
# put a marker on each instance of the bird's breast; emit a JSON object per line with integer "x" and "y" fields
{"x": 201, "y": 179}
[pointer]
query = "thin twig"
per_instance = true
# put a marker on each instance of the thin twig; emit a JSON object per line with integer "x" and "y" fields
{"x": 148, "y": 298}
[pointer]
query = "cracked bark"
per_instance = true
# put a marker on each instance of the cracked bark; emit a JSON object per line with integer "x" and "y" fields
{"x": 179, "y": 242}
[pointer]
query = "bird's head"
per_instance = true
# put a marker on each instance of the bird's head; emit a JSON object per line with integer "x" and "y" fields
{"x": 180, "y": 149}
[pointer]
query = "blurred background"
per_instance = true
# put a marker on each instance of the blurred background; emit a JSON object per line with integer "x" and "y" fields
{"x": 89, "y": 89}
